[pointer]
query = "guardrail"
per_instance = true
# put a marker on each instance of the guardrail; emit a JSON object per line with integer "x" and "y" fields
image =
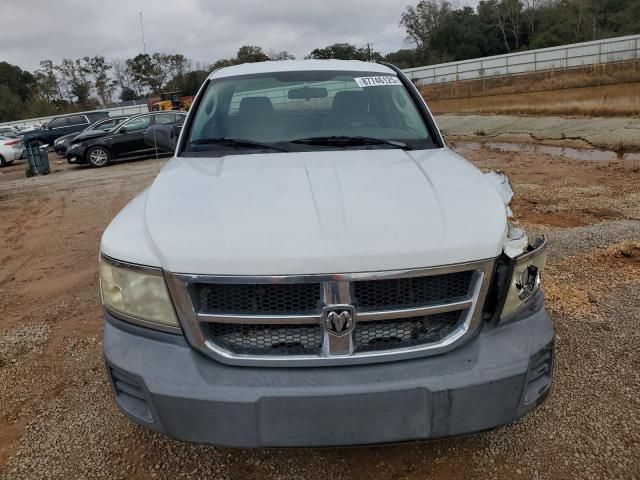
{"x": 553, "y": 58}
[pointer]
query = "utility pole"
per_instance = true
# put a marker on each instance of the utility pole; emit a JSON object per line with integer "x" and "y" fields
{"x": 144, "y": 45}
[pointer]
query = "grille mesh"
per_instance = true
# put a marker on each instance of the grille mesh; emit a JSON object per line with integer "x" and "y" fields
{"x": 265, "y": 339}
{"x": 371, "y": 295}
{"x": 270, "y": 299}
{"x": 404, "y": 332}
{"x": 296, "y": 339}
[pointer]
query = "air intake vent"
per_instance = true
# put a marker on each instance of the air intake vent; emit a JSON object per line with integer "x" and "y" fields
{"x": 130, "y": 395}
{"x": 539, "y": 375}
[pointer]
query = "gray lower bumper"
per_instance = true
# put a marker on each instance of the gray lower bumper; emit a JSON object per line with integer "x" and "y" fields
{"x": 162, "y": 383}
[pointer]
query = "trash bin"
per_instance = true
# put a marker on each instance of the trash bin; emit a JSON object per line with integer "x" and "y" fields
{"x": 37, "y": 158}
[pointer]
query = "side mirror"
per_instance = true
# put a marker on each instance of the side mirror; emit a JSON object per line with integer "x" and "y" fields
{"x": 163, "y": 137}
{"x": 122, "y": 130}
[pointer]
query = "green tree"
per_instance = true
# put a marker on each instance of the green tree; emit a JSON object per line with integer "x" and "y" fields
{"x": 345, "y": 51}
{"x": 188, "y": 83}
{"x": 404, "y": 58}
{"x": 223, "y": 62}
{"x": 103, "y": 84}
{"x": 47, "y": 83}
{"x": 282, "y": 55}
{"x": 127, "y": 94}
{"x": 616, "y": 17}
{"x": 74, "y": 77}
{"x": 10, "y": 104}
{"x": 494, "y": 36}
{"x": 251, "y": 54}
{"x": 420, "y": 24}
{"x": 18, "y": 81}
{"x": 460, "y": 36}
{"x": 126, "y": 81}
{"x": 153, "y": 71}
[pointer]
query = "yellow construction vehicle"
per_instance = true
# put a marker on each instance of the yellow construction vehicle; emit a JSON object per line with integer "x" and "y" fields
{"x": 172, "y": 101}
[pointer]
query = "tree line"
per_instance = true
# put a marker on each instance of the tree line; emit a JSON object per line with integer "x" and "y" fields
{"x": 435, "y": 32}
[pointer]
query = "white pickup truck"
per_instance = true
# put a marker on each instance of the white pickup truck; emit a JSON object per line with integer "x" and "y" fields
{"x": 315, "y": 267}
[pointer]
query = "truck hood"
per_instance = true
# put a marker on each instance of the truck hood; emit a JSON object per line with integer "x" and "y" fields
{"x": 322, "y": 212}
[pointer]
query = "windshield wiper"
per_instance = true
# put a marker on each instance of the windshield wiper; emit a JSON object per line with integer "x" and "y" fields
{"x": 236, "y": 142}
{"x": 343, "y": 140}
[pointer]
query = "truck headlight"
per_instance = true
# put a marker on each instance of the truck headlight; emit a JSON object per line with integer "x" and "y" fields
{"x": 138, "y": 293}
{"x": 525, "y": 279}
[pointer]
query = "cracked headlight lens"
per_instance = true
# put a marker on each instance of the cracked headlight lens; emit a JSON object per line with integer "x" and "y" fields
{"x": 525, "y": 279}
{"x": 138, "y": 293}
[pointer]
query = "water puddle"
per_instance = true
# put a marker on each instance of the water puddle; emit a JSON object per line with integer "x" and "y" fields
{"x": 629, "y": 160}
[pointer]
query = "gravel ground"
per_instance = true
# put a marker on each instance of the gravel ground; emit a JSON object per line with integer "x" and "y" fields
{"x": 58, "y": 419}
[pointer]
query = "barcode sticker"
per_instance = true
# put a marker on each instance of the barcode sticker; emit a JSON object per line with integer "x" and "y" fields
{"x": 377, "y": 81}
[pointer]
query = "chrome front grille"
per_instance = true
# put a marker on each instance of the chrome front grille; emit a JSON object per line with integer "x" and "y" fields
{"x": 282, "y": 320}
{"x": 274, "y": 299}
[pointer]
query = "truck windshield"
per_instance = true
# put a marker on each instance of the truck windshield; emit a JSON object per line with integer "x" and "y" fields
{"x": 306, "y": 110}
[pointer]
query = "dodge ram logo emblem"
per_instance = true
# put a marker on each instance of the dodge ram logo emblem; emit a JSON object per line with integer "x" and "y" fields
{"x": 339, "y": 319}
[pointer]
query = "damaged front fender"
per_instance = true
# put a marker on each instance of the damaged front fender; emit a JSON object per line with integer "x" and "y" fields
{"x": 516, "y": 241}
{"x": 518, "y": 272}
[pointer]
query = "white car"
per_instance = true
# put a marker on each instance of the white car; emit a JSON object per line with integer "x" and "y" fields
{"x": 11, "y": 149}
{"x": 12, "y": 132}
{"x": 314, "y": 267}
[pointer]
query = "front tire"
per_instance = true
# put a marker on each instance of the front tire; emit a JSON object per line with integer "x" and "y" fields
{"x": 3, "y": 162}
{"x": 98, "y": 156}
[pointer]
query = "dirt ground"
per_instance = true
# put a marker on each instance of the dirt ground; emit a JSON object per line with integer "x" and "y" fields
{"x": 58, "y": 420}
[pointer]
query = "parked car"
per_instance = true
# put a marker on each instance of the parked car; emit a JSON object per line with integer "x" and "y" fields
{"x": 63, "y": 125}
{"x": 315, "y": 267}
{"x": 94, "y": 130}
{"x": 11, "y": 149}
{"x": 126, "y": 141}
{"x": 31, "y": 128}
{"x": 11, "y": 132}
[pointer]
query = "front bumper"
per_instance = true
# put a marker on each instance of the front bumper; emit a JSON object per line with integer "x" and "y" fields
{"x": 161, "y": 382}
{"x": 61, "y": 149}
{"x": 75, "y": 155}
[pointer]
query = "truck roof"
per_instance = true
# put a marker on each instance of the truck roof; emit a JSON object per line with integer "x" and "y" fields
{"x": 299, "y": 65}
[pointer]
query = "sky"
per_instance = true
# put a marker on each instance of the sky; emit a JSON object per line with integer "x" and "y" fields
{"x": 202, "y": 30}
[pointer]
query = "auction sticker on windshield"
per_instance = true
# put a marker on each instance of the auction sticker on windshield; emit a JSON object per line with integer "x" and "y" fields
{"x": 377, "y": 81}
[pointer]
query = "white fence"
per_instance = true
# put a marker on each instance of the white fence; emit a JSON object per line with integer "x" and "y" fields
{"x": 553, "y": 58}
